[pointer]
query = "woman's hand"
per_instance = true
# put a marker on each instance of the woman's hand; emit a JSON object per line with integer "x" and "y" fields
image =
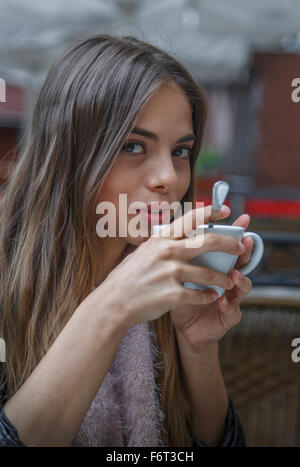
{"x": 200, "y": 325}
{"x": 149, "y": 281}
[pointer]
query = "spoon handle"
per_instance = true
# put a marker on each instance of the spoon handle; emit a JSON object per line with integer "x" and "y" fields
{"x": 219, "y": 193}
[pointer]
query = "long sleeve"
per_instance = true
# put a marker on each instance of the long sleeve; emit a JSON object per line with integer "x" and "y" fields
{"x": 8, "y": 434}
{"x": 233, "y": 433}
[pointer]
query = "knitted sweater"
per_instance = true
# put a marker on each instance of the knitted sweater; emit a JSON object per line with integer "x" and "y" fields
{"x": 125, "y": 411}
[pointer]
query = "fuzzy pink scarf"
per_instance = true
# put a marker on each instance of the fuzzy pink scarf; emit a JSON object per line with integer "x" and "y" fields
{"x": 126, "y": 411}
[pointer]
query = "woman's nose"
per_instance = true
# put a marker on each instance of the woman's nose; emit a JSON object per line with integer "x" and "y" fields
{"x": 163, "y": 174}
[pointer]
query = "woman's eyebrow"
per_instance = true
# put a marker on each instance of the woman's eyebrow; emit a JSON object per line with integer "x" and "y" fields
{"x": 149, "y": 134}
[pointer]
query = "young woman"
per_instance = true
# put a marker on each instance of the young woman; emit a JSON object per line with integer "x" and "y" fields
{"x": 104, "y": 344}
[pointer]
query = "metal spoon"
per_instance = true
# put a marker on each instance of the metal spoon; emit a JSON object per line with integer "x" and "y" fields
{"x": 219, "y": 193}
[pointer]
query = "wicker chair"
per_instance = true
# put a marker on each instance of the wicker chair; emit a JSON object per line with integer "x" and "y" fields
{"x": 259, "y": 373}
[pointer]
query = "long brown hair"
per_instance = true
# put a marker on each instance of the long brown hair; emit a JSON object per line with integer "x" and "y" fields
{"x": 85, "y": 110}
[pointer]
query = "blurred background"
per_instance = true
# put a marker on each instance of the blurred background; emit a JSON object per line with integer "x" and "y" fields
{"x": 245, "y": 55}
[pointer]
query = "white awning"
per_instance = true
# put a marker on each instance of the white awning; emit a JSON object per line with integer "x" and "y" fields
{"x": 214, "y": 38}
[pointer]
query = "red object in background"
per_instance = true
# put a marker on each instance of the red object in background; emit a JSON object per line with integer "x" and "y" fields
{"x": 273, "y": 208}
{"x": 207, "y": 201}
{"x": 266, "y": 207}
{"x": 13, "y": 109}
{"x": 11, "y": 117}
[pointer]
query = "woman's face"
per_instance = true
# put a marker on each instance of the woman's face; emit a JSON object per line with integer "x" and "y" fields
{"x": 156, "y": 167}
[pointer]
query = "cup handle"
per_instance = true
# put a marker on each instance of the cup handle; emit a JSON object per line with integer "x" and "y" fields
{"x": 257, "y": 253}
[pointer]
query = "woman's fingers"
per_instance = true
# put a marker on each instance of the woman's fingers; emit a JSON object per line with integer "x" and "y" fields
{"x": 243, "y": 283}
{"x": 185, "y": 224}
{"x": 196, "y": 297}
{"x": 202, "y": 275}
{"x": 242, "y": 287}
{"x": 242, "y": 221}
{"x": 229, "y": 303}
{"x": 224, "y": 212}
{"x": 245, "y": 257}
{"x": 188, "y": 248}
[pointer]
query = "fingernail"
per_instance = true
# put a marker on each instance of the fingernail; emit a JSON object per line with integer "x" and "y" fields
{"x": 225, "y": 301}
{"x": 237, "y": 274}
{"x": 225, "y": 209}
{"x": 242, "y": 247}
{"x": 214, "y": 295}
{"x": 231, "y": 283}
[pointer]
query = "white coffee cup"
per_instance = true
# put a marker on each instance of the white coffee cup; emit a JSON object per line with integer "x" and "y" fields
{"x": 221, "y": 261}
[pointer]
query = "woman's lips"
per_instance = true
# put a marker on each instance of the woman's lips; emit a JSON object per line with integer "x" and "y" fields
{"x": 155, "y": 217}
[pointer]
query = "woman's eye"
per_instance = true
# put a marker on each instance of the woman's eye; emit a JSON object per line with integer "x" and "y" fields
{"x": 185, "y": 154}
{"x": 129, "y": 145}
{"x": 133, "y": 148}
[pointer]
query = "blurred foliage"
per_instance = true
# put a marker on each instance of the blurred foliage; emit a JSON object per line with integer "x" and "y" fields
{"x": 209, "y": 161}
